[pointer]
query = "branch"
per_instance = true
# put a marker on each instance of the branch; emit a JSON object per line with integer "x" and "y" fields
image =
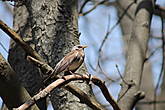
{"x": 159, "y": 11}
{"x": 29, "y": 50}
{"x": 163, "y": 63}
{"x": 94, "y": 7}
{"x": 65, "y": 80}
{"x": 114, "y": 26}
{"x": 152, "y": 102}
{"x": 83, "y": 5}
{"x": 136, "y": 55}
{"x": 44, "y": 67}
{"x": 76, "y": 91}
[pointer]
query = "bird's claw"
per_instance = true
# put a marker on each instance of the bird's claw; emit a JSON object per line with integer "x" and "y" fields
{"x": 90, "y": 78}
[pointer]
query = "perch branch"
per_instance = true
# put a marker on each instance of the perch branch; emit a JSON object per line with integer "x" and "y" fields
{"x": 65, "y": 80}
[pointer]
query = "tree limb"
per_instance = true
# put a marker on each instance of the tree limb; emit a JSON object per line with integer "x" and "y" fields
{"x": 29, "y": 50}
{"x": 65, "y": 80}
{"x": 136, "y": 55}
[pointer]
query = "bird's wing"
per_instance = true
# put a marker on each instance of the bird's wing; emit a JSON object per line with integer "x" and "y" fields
{"x": 66, "y": 62}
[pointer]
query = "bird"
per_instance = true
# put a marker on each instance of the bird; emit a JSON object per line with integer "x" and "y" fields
{"x": 71, "y": 62}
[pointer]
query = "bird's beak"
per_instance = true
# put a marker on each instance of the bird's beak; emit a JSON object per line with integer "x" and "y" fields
{"x": 84, "y": 46}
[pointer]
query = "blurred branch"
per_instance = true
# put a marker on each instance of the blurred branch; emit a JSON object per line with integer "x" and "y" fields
{"x": 160, "y": 11}
{"x": 83, "y": 5}
{"x": 4, "y": 48}
{"x": 114, "y": 26}
{"x": 152, "y": 102}
{"x": 136, "y": 54}
{"x": 121, "y": 75}
{"x": 162, "y": 68}
{"x": 152, "y": 53}
{"x": 65, "y": 80}
{"x": 104, "y": 2}
{"x": 109, "y": 31}
{"x": 94, "y": 7}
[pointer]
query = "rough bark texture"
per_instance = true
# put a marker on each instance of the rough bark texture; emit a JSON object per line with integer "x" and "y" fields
{"x": 136, "y": 51}
{"x": 10, "y": 88}
{"x": 147, "y": 81}
{"x": 27, "y": 73}
{"x": 51, "y": 28}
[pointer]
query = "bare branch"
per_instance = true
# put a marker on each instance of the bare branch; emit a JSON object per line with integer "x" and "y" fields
{"x": 162, "y": 68}
{"x": 94, "y": 7}
{"x": 152, "y": 102}
{"x": 44, "y": 67}
{"x": 160, "y": 11}
{"x": 65, "y": 80}
{"x": 73, "y": 89}
{"x": 121, "y": 75}
{"x": 4, "y": 48}
{"x": 83, "y": 5}
{"x": 29, "y": 50}
{"x": 114, "y": 26}
{"x": 136, "y": 54}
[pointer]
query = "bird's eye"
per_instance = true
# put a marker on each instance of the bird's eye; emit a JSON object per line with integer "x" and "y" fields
{"x": 79, "y": 47}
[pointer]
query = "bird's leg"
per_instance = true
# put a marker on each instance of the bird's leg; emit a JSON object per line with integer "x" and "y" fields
{"x": 90, "y": 78}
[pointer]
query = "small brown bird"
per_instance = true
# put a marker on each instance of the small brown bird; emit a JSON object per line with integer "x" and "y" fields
{"x": 71, "y": 62}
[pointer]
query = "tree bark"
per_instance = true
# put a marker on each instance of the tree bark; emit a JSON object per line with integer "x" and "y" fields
{"x": 147, "y": 79}
{"x": 51, "y": 28}
{"x": 27, "y": 73}
{"x": 10, "y": 88}
{"x": 130, "y": 92}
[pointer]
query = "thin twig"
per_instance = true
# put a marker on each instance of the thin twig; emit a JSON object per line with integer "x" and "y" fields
{"x": 121, "y": 75}
{"x": 94, "y": 7}
{"x": 83, "y": 5}
{"x": 106, "y": 35}
{"x": 162, "y": 68}
{"x": 114, "y": 26}
{"x": 3, "y": 47}
{"x": 151, "y": 102}
{"x": 152, "y": 53}
{"x": 102, "y": 71}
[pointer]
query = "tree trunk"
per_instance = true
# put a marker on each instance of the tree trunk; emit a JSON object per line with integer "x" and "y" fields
{"x": 147, "y": 81}
{"x": 130, "y": 92}
{"x": 51, "y": 28}
{"x": 10, "y": 88}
